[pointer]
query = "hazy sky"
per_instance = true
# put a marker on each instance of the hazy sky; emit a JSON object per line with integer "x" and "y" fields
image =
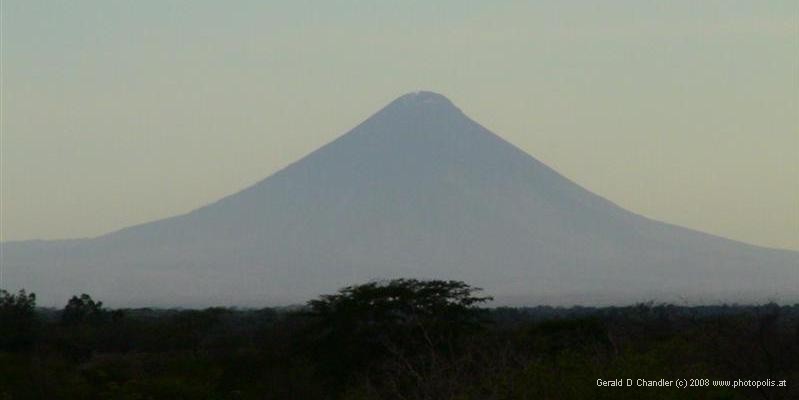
{"x": 116, "y": 113}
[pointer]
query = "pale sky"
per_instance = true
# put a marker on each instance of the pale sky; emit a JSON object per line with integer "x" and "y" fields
{"x": 117, "y": 113}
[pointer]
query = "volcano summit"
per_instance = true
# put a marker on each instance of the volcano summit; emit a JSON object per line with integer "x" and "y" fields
{"x": 417, "y": 190}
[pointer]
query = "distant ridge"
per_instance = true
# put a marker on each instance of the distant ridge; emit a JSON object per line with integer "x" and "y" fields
{"x": 416, "y": 190}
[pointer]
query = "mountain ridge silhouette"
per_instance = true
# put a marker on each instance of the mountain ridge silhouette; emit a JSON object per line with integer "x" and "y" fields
{"x": 418, "y": 190}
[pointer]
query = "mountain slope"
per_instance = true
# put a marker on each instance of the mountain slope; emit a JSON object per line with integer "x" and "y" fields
{"x": 417, "y": 190}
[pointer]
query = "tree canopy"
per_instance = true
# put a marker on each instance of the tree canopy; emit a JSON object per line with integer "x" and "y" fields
{"x": 17, "y": 320}
{"x": 83, "y": 309}
{"x": 401, "y": 301}
{"x": 366, "y": 323}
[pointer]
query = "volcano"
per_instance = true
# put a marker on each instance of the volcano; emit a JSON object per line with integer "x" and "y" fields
{"x": 417, "y": 190}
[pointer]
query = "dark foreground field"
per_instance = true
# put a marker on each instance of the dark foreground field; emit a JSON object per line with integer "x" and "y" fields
{"x": 396, "y": 340}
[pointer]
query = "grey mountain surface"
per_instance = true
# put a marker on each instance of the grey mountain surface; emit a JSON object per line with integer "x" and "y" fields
{"x": 417, "y": 190}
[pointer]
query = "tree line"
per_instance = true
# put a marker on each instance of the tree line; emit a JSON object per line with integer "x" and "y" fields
{"x": 397, "y": 339}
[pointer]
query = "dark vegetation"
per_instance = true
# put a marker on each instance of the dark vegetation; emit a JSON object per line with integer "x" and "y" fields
{"x": 402, "y": 339}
